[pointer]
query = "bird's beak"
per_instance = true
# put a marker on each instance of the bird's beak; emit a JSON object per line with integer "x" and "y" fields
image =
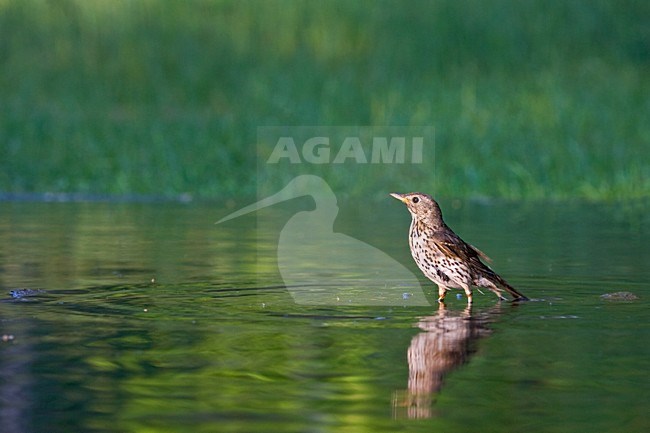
{"x": 399, "y": 197}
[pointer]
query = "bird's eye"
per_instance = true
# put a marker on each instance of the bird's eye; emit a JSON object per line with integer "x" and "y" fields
{"x": 416, "y": 199}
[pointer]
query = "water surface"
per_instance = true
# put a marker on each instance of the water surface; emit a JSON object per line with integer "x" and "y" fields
{"x": 148, "y": 317}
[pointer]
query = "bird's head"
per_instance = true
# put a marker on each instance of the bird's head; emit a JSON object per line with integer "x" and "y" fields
{"x": 421, "y": 206}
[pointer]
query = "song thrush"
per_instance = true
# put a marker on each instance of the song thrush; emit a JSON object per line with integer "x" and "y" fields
{"x": 443, "y": 256}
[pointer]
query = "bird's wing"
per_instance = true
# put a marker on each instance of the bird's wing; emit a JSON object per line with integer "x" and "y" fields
{"x": 454, "y": 246}
{"x": 481, "y": 254}
{"x": 451, "y": 244}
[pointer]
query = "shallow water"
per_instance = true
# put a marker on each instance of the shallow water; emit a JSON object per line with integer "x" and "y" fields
{"x": 149, "y": 317}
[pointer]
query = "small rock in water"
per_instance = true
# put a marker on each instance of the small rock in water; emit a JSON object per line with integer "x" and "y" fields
{"x": 25, "y": 293}
{"x": 7, "y": 337}
{"x": 406, "y": 295}
{"x": 619, "y": 296}
{"x": 459, "y": 296}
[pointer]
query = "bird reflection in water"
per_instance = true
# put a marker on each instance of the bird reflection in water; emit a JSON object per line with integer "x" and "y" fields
{"x": 447, "y": 341}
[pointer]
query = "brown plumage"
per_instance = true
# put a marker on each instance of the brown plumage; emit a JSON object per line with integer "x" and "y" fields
{"x": 443, "y": 256}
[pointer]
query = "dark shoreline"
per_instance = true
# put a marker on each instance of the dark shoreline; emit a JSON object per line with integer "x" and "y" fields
{"x": 63, "y": 197}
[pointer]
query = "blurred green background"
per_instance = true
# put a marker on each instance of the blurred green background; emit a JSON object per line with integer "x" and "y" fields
{"x": 530, "y": 99}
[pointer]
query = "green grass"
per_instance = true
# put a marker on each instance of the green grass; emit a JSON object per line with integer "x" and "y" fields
{"x": 530, "y": 99}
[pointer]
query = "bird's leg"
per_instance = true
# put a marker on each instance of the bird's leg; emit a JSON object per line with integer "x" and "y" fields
{"x": 442, "y": 291}
{"x": 468, "y": 292}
